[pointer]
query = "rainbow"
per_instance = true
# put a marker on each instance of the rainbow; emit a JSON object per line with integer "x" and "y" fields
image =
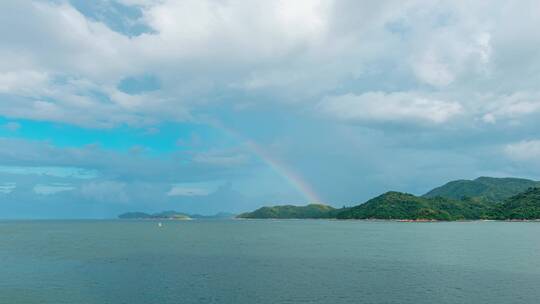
{"x": 282, "y": 169}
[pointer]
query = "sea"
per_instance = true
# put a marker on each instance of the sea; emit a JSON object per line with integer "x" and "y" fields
{"x": 268, "y": 261}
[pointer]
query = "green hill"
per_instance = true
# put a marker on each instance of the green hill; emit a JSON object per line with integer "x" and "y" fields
{"x": 391, "y": 205}
{"x": 174, "y": 215}
{"x": 397, "y": 205}
{"x": 490, "y": 189}
{"x": 482, "y": 198}
{"x": 291, "y": 212}
{"x": 525, "y": 206}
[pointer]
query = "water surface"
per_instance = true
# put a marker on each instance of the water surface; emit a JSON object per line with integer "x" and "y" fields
{"x": 258, "y": 261}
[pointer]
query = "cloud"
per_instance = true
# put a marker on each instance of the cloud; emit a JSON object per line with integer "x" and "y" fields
{"x": 62, "y": 172}
{"x": 320, "y": 85}
{"x": 514, "y": 106}
{"x": 105, "y": 192}
{"x": 22, "y": 81}
{"x": 390, "y": 107}
{"x": 27, "y": 157}
{"x": 524, "y": 151}
{"x": 48, "y": 189}
{"x": 191, "y": 28}
{"x": 91, "y": 181}
{"x": 434, "y": 71}
{"x": 200, "y": 53}
{"x": 448, "y": 55}
{"x": 7, "y": 187}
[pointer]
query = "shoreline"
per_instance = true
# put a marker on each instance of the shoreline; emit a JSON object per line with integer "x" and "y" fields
{"x": 387, "y": 220}
{"x": 265, "y": 219}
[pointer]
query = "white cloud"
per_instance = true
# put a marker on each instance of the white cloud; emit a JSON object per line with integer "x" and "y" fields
{"x": 449, "y": 53}
{"x": 489, "y": 118}
{"x": 22, "y": 81}
{"x": 47, "y": 189}
{"x": 391, "y": 107}
{"x": 200, "y": 28}
{"x": 64, "y": 172}
{"x": 528, "y": 150}
{"x": 276, "y": 51}
{"x": 434, "y": 71}
{"x": 6, "y": 188}
{"x": 515, "y": 105}
{"x": 421, "y": 63}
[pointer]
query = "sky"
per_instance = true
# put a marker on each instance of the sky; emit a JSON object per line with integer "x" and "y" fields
{"x": 208, "y": 106}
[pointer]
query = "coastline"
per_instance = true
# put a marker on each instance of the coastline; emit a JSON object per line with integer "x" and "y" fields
{"x": 383, "y": 220}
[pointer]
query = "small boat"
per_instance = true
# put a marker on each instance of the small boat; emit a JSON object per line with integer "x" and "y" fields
{"x": 159, "y": 224}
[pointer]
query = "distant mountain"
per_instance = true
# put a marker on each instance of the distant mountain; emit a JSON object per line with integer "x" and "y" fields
{"x": 397, "y": 205}
{"x": 291, "y": 212}
{"x": 490, "y": 189}
{"x": 219, "y": 215}
{"x": 135, "y": 215}
{"x": 161, "y": 215}
{"x": 482, "y": 198}
{"x": 171, "y": 214}
{"x": 391, "y": 205}
{"x": 524, "y": 206}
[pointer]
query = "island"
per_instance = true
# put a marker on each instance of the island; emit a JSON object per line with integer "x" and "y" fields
{"x": 292, "y": 212}
{"x": 485, "y": 198}
{"x": 166, "y": 215}
{"x": 173, "y": 215}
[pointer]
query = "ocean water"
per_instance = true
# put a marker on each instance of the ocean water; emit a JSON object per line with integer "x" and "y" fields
{"x": 267, "y": 261}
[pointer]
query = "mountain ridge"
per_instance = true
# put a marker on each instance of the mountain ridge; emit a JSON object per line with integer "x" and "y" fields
{"x": 291, "y": 211}
{"x": 171, "y": 214}
{"x": 482, "y": 198}
{"x": 490, "y": 189}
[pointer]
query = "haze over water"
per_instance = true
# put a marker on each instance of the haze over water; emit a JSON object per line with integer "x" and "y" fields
{"x": 292, "y": 261}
